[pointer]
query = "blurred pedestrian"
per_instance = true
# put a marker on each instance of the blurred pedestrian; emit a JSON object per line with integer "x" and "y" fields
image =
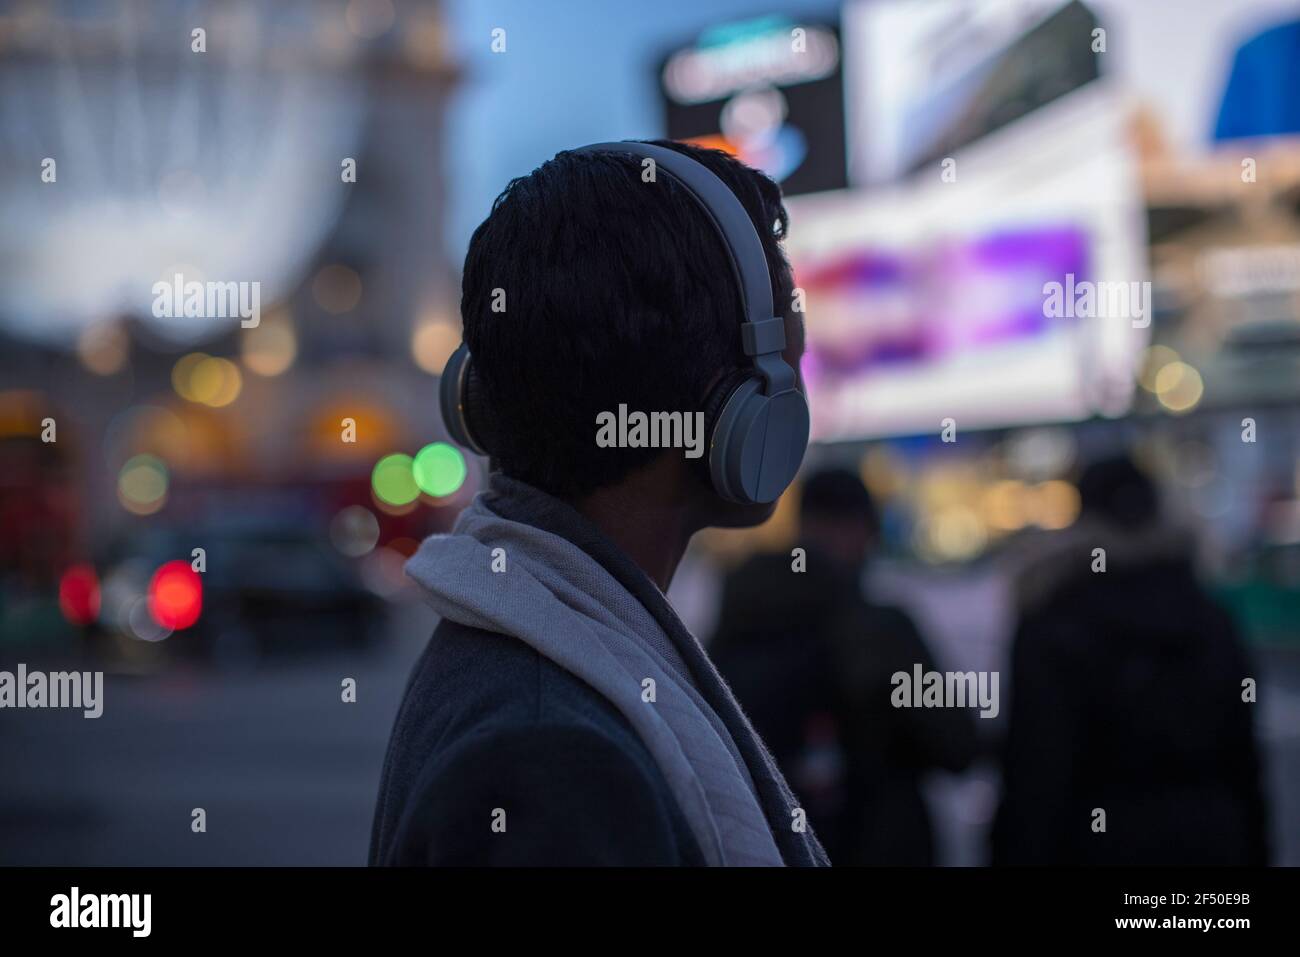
{"x": 811, "y": 661}
{"x": 1130, "y": 737}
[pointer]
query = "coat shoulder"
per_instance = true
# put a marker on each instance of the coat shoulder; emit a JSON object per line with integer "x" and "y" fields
{"x": 487, "y": 725}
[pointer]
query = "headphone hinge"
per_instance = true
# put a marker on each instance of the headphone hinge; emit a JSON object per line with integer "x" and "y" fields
{"x": 760, "y": 338}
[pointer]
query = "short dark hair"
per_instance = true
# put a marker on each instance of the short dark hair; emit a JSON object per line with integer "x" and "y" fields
{"x": 616, "y": 290}
{"x": 837, "y": 493}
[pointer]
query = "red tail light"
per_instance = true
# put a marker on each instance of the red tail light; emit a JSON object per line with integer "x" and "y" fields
{"x": 176, "y": 595}
{"x": 79, "y": 595}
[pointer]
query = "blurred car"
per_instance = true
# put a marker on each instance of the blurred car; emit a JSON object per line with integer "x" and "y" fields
{"x": 255, "y": 588}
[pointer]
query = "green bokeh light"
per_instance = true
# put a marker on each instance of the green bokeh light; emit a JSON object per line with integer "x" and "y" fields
{"x": 439, "y": 469}
{"x": 143, "y": 479}
{"x": 393, "y": 481}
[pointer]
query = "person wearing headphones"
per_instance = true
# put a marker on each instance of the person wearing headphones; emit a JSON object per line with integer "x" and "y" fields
{"x": 562, "y": 714}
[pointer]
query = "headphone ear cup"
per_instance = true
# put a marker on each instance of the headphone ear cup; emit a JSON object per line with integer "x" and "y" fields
{"x": 460, "y": 395}
{"x": 758, "y": 443}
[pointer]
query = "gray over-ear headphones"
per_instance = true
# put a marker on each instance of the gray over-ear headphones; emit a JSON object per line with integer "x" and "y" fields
{"x": 756, "y": 419}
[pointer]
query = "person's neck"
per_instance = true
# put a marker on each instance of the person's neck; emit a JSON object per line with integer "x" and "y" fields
{"x": 651, "y": 526}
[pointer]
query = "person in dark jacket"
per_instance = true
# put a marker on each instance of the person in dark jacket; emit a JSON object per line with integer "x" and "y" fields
{"x": 562, "y": 714}
{"x": 1130, "y": 730}
{"x": 811, "y": 661}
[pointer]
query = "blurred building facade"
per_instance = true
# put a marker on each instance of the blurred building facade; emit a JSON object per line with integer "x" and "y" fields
{"x": 192, "y": 136}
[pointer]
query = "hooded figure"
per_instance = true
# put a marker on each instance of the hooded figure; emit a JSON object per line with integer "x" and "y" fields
{"x": 1130, "y": 739}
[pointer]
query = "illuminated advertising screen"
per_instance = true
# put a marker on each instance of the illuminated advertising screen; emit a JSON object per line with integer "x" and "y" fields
{"x": 1012, "y": 292}
{"x": 769, "y": 91}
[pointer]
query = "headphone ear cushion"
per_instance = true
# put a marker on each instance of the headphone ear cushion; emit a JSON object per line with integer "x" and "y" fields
{"x": 713, "y": 406}
{"x": 460, "y": 395}
{"x": 477, "y": 412}
{"x": 717, "y": 399}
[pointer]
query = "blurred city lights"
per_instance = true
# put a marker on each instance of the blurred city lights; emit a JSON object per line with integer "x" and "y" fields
{"x": 1003, "y": 505}
{"x": 337, "y": 289}
{"x": 79, "y": 594}
{"x": 141, "y": 624}
{"x": 142, "y": 484}
{"x": 175, "y": 595}
{"x": 354, "y": 531}
{"x": 1055, "y": 504}
{"x": 269, "y": 348}
{"x": 103, "y": 348}
{"x": 217, "y": 382}
{"x": 952, "y": 533}
{"x": 147, "y": 428}
{"x": 393, "y": 481}
{"x": 183, "y": 371}
{"x": 1178, "y": 387}
{"x": 206, "y": 380}
{"x": 432, "y": 344}
{"x": 124, "y": 584}
{"x": 1041, "y": 452}
{"x": 189, "y": 439}
{"x": 1154, "y": 359}
{"x": 439, "y": 469}
{"x": 377, "y": 428}
{"x": 882, "y": 471}
{"x": 21, "y": 411}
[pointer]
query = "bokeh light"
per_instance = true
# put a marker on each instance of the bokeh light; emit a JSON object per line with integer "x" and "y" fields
{"x": 1179, "y": 387}
{"x": 175, "y": 596}
{"x": 217, "y": 382}
{"x": 103, "y": 348}
{"x": 1004, "y": 505}
{"x": 21, "y": 411}
{"x": 79, "y": 594}
{"x": 269, "y": 348}
{"x": 432, "y": 344}
{"x": 183, "y": 371}
{"x": 206, "y": 380}
{"x": 1055, "y": 504}
{"x": 354, "y": 531}
{"x": 140, "y": 623}
{"x": 952, "y": 533}
{"x": 439, "y": 469}
{"x": 142, "y": 484}
{"x": 124, "y": 584}
{"x": 393, "y": 481}
{"x": 1154, "y": 359}
{"x": 337, "y": 289}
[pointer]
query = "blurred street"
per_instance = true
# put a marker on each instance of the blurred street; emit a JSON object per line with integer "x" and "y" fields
{"x": 286, "y": 772}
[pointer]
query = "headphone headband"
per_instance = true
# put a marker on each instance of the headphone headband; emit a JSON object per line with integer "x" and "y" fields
{"x": 719, "y": 203}
{"x": 762, "y": 331}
